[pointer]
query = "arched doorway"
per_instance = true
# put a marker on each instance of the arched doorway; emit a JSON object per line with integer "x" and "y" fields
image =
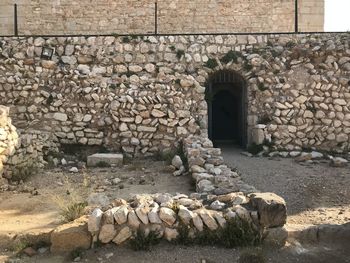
{"x": 227, "y": 108}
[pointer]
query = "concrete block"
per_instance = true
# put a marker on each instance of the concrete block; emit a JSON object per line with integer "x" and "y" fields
{"x": 113, "y": 159}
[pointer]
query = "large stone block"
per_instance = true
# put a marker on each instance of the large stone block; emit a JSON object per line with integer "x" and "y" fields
{"x": 272, "y": 209}
{"x": 71, "y": 236}
{"x": 115, "y": 159}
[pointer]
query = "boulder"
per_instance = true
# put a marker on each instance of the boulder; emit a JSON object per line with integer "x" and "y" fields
{"x": 167, "y": 215}
{"x": 107, "y": 233}
{"x": 71, "y": 236}
{"x": 123, "y": 235}
{"x": 109, "y": 158}
{"x": 177, "y": 162}
{"x": 94, "y": 222}
{"x": 271, "y": 208}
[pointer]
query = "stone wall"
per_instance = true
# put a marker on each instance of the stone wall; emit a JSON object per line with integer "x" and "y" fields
{"x": 21, "y": 148}
{"x": 311, "y": 15}
{"x": 54, "y": 17}
{"x": 142, "y": 95}
{"x": 183, "y": 218}
{"x": 8, "y": 142}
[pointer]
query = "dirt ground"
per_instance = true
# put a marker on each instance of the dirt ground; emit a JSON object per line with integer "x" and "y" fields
{"x": 194, "y": 254}
{"x": 35, "y": 207}
{"x": 315, "y": 193}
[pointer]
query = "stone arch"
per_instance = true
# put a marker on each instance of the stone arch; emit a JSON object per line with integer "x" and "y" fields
{"x": 226, "y": 97}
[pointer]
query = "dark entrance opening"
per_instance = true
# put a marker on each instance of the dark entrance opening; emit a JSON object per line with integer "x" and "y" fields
{"x": 226, "y": 98}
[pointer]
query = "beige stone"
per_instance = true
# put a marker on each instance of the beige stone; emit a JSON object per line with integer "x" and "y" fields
{"x": 71, "y": 236}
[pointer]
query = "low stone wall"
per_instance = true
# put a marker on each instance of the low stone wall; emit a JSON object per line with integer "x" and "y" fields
{"x": 167, "y": 215}
{"x": 32, "y": 147}
{"x": 207, "y": 168}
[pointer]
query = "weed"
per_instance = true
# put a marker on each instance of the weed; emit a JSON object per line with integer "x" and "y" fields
{"x": 172, "y": 48}
{"x": 262, "y": 87}
{"x": 180, "y": 53}
{"x": 290, "y": 44}
{"x": 269, "y": 43}
{"x": 183, "y": 237}
{"x": 21, "y": 244}
{"x": 102, "y": 164}
{"x": 76, "y": 253}
{"x": 175, "y": 207}
{"x": 181, "y": 153}
{"x": 177, "y": 81}
{"x": 73, "y": 211}
{"x": 166, "y": 156}
{"x": 126, "y": 39}
{"x": 24, "y": 171}
{"x": 231, "y": 56}
{"x": 265, "y": 119}
{"x": 236, "y": 233}
{"x": 211, "y": 63}
{"x": 143, "y": 242}
{"x": 134, "y": 37}
{"x": 72, "y": 205}
{"x": 255, "y": 148}
{"x": 113, "y": 86}
{"x": 239, "y": 233}
{"x": 247, "y": 66}
{"x": 207, "y": 237}
{"x": 311, "y": 108}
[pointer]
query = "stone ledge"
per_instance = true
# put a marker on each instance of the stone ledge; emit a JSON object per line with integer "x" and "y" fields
{"x": 113, "y": 159}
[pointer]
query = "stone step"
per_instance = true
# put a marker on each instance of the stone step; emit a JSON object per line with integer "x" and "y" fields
{"x": 100, "y": 159}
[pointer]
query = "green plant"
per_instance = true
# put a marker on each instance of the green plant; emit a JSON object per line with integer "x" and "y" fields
{"x": 180, "y": 53}
{"x": 252, "y": 255}
{"x": 247, "y": 66}
{"x": 181, "y": 153}
{"x": 113, "y": 86}
{"x": 268, "y": 143}
{"x": 290, "y": 44}
{"x": 262, "y": 87}
{"x": 76, "y": 253}
{"x": 141, "y": 241}
{"x": 255, "y": 148}
{"x": 175, "y": 207}
{"x": 72, "y": 205}
{"x": 183, "y": 237}
{"x": 167, "y": 155}
{"x": 24, "y": 171}
{"x": 172, "y": 48}
{"x": 102, "y": 164}
{"x": 236, "y": 233}
{"x": 21, "y": 244}
{"x": 265, "y": 119}
{"x": 231, "y": 56}
{"x": 211, "y": 63}
{"x": 73, "y": 211}
{"x": 126, "y": 39}
{"x": 311, "y": 107}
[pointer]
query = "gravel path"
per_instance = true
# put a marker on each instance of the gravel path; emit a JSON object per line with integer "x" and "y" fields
{"x": 194, "y": 254}
{"x": 315, "y": 193}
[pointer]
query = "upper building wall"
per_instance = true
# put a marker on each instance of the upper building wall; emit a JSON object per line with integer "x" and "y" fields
{"x": 55, "y": 17}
